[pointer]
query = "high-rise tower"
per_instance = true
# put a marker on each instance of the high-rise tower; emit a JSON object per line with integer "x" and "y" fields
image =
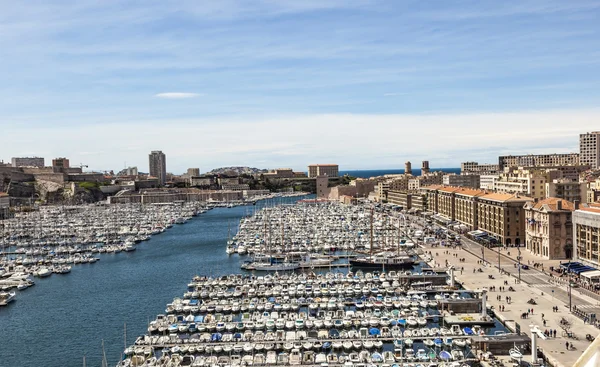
{"x": 158, "y": 166}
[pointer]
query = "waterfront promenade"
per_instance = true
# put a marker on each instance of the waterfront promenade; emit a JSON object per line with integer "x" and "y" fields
{"x": 534, "y": 284}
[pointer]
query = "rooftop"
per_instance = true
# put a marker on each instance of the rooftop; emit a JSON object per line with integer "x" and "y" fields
{"x": 551, "y": 204}
{"x": 501, "y": 197}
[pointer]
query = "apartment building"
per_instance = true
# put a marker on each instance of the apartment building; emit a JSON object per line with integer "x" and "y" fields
{"x": 445, "y": 202}
{"x": 465, "y": 207}
{"x": 329, "y": 170}
{"x": 549, "y": 228}
{"x": 27, "y": 162}
{"x": 502, "y": 216}
{"x": 589, "y": 149}
{"x": 488, "y": 182}
{"x": 567, "y": 189}
{"x": 432, "y": 178}
{"x": 401, "y": 198}
{"x": 530, "y": 182}
{"x": 398, "y": 183}
{"x": 538, "y": 160}
{"x": 476, "y": 168}
{"x": 462, "y": 180}
{"x": 586, "y": 234}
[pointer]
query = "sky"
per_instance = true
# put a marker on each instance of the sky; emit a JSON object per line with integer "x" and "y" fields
{"x": 365, "y": 84}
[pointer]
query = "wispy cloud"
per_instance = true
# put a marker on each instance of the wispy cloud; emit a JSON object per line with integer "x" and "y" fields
{"x": 177, "y": 95}
{"x": 265, "y": 63}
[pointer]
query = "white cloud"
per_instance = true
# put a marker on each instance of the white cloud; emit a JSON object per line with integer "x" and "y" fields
{"x": 177, "y": 95}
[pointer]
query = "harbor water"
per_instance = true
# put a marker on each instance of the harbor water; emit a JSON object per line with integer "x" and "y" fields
{"x": 64, "y": 317}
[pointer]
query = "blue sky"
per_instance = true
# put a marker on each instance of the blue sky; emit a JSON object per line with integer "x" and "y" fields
{"x": 266, "y": 83}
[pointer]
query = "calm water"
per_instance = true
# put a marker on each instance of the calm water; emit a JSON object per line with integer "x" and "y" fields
{"x": 64, "y": 317}
{"x": 380, "y": 172}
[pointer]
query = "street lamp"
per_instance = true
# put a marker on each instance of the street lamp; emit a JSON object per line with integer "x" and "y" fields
{"x": 519, "y": 260}
{"x": 569, "y": 280}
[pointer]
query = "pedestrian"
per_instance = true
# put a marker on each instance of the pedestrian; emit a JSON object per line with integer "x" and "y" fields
{"x": 532, "y": 311}
{"x": 542, "y": 316}
{"x": 567, "y": 345}
{"x": 544, "y": 323}
{"x": 555, "y": 333}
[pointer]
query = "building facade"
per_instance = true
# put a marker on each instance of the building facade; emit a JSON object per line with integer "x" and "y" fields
{"x": 470, "y": 180}
{"x": 589, "y": 149}
{"x": 4, "y": 205}
{"x": 586, "y": 234}
{"x": 465, "y": 208}
{"x": 193, "y": 172}
{"x": 568, "y": 190}
{"x": 503, "y": 216}
{"x": 158, "y": 166}
{"x": 488, "y": 182}
{"x": 476, "y": 168}
{"x": 401, "y": 198}
{"x": 538, "y": 160}
{"x": 27, "y": 162}
{"x": 61, "y": 163}
{"x": 549, "y": 228}
{"x": 329, "y": 170}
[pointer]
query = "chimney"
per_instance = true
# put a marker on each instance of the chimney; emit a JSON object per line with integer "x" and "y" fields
{"x": 558, "y": 204}
{"x": 576, "y": 202}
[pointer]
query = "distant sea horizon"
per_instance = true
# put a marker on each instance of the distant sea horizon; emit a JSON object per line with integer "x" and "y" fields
{"x": 366, "y": 173}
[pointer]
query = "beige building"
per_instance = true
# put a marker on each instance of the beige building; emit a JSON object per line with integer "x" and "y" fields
{"x": 445, "y": 202}
{"x": 530, "y": 182}
{"x": 401, "y": 198}
{"x": 538, "y": 160}
{"x": 589, "y": 149}
{"x": 432, "y": 178}
{"x": 465, "y": 207}
{"x": 549, "y": 229}
{"x": 502, "y": 216}
{"x": 586, "y": 234}
{"x": 329, "y": 170}
{"x": 568, "y": 190}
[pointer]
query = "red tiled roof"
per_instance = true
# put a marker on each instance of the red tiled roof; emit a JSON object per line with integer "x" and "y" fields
{"x": 552, "y": 204}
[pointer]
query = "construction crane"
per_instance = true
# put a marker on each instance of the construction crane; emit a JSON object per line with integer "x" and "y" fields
{"x": 82, "y": 166}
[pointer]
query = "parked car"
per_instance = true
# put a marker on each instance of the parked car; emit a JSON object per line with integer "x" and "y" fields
{"x": 525, "y": 267}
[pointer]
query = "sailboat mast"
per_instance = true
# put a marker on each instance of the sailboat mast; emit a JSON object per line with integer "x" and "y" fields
{"x": 372, "y": 215}
{"x": 398, "y": 236}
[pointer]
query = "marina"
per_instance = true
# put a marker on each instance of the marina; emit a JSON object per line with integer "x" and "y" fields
{"x": 345, "y": 316}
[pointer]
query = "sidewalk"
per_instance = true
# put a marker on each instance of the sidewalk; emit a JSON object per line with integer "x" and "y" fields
{"x": 555, "y": 347}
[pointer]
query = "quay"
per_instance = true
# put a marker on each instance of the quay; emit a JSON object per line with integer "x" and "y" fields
{"x": 527, "y": 284}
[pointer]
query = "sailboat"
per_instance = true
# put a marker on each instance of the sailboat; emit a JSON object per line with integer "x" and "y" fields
{"x": 515, "y": 353}
{"x": 271, "y": 265}
{"x": 230, "y": 248}
{"x": 382, "y": 260}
